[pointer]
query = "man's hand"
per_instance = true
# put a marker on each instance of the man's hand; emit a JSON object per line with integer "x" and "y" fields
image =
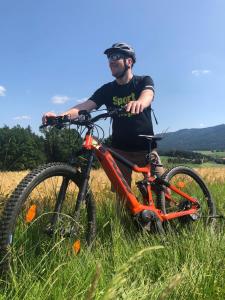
{"x": 46, "y": 115}
{"x": 135, "y": 107}
{"x": 144, "y": 101}
{"x": 88, "y": 105}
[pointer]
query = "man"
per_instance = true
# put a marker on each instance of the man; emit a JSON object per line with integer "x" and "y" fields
{"x": 134, "y": 92}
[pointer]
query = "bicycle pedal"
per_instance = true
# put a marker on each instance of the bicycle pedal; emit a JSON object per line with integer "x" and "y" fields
{"x": 194, "y": 217}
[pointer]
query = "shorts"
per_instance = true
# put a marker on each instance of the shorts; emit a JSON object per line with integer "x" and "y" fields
{"x": 138, "y": 158}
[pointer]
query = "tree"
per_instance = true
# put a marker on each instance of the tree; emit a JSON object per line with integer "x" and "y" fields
{"x": 60, "y": 145}
{"x": 20, "y": 149}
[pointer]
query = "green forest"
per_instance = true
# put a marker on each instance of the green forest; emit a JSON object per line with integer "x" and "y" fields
{"x": 22, "y": 149}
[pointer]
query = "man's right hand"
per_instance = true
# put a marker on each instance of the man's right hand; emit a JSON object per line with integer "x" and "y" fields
{"x": 46, "y": 115}
{"x": 88, "y": 105}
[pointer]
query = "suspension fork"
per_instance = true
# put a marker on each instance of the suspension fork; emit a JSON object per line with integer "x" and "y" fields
{"x": 81, "y": 195}
{"x": 59, "y": 201}
{"x": 84, "y": 185}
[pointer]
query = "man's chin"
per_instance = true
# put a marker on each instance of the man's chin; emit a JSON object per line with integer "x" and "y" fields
{"x": 116, "y": 74}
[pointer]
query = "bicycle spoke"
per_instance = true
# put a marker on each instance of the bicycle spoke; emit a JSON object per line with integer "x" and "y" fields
{"x": 188, "y": 182}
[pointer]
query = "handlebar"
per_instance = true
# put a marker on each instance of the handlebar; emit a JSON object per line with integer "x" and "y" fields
{"x": 84, "y": 118}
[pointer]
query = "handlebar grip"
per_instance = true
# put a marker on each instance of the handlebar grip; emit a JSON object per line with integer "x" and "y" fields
{"x": 56, "y": 121}
{"x": 50, "y": 121}
{"x": 82, "y": 112}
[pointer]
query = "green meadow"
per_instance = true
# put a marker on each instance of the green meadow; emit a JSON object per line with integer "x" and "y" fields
{"x": 187, "y": 262}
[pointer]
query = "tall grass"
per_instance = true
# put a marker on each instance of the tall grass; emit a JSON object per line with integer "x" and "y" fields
{"x": 186, "y": 263}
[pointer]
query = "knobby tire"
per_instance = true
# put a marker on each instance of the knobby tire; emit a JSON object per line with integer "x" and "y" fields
{"x": 17, "y": 201}
{"x": 194, "y": 186}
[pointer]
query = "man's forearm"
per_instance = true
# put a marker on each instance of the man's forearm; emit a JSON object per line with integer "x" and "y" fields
{"x": 88, "y": 105}
{"x": 146, "y": 98}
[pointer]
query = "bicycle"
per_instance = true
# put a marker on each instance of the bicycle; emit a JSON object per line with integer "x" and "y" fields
{"x": 62, "y": 191}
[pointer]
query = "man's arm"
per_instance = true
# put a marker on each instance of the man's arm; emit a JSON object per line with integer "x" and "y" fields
{"x": 88, "y": 105}
{"x": 144, "y": 101}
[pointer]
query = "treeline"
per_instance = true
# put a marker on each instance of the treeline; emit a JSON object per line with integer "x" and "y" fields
{"x": 22, "y": 149}
{"x": 178, "y": 156}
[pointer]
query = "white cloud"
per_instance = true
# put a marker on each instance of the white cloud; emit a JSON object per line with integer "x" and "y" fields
{"x": 57, "y": 99}
{"x": 201, "y": 125}
{"x": 2, "y": 91}
{"x": 199, "y": 72}
{"x": 22, "y": 118}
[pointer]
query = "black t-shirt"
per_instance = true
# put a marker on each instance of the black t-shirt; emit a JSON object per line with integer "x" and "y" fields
{"x": 127, "y": 127}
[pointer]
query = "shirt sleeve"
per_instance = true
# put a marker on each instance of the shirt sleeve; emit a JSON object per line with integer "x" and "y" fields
{"x": 99, "y": 96}
{"x": 147, "y": 84}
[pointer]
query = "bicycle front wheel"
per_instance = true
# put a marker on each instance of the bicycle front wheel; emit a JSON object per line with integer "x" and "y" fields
{"x": 189, "y": 182}
{"x": 42, "y": 209}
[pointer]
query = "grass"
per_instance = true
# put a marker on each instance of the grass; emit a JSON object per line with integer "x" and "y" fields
{"x": 188, "y": 262}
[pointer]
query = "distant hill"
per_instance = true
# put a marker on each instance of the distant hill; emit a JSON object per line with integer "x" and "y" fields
{"x": 210, "y": 138}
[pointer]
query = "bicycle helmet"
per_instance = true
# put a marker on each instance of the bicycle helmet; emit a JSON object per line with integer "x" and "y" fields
{"x": 123, "y": 48}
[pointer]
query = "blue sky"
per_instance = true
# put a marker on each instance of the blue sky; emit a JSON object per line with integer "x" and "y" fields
{"x": 51, "y": 56}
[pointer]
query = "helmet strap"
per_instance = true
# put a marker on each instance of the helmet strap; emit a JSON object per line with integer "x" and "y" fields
{"x": 124, "y": 71}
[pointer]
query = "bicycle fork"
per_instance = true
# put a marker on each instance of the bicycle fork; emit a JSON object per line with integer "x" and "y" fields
{"x": 80, "y": 198}
{"x": 84, "y": 185}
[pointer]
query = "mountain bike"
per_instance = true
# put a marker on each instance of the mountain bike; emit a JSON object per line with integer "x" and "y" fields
{"x": 55, "y": 200}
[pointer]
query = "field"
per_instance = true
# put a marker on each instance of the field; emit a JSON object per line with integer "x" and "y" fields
{"x": 215, "y": 154}
{"x": 188, "y": 262}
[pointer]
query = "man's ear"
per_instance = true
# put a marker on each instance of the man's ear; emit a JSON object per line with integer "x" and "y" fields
{"x": 130, "y": 61}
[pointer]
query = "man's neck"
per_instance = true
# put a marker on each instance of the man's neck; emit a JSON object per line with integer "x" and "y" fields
{"x": 125, "y": 79}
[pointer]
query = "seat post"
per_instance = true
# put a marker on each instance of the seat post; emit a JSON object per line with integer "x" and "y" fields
{"x": 148, "y": 156}
{"x": 150, "y": 138}
{"x": 149, "y": 146}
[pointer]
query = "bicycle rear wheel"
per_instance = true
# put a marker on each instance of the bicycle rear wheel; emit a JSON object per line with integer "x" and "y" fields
{"x": 42, "y": 209}
{"x": 189, "y": 182}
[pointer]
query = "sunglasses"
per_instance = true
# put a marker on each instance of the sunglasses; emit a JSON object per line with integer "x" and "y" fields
{"x": 115, "y": 56}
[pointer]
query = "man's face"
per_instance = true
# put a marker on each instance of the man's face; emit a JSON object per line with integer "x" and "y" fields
{"x": 117, "y": 63}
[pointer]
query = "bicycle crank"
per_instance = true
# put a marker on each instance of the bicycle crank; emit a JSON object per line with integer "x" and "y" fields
{"x": 150, "y": 222}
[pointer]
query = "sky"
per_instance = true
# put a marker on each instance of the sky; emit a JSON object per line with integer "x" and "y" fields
{"x": 51, "y": 56}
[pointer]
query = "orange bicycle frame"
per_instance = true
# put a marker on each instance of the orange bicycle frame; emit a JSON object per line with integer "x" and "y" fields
{"x": 106, "y": 158}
